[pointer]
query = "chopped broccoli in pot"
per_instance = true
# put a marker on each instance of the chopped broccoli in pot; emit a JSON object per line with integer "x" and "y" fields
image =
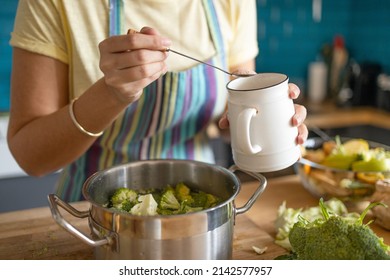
{"x": 126, "y": 205}
{"x": 169, "y": 200}
{"x": 183, "y": 193}
{"x": 123, "y": 199}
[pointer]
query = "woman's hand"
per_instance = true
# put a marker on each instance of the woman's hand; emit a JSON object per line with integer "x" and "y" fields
{"x": 300, "y": 115}
{"x": 297, "y": 120}
{"x": 133, "y": 61}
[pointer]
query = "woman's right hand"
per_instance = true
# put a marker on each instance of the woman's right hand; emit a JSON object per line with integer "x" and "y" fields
{"x": 133, "y": 61}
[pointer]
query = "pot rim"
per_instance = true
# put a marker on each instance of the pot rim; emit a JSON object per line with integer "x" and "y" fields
{"x": 224, "y": 170}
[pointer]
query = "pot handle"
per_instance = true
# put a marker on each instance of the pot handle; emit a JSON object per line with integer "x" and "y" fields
{"x": 54, "y": 202}
{"x": 256, "y": 194}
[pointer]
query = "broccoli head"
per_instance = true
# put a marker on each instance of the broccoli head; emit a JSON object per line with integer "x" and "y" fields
{"x": 334, "y": 237}
{"x": 123, "y": 199}
{"x": 168, "y": 200}
{"x": 183, "y": 193}
{"x": 126, "y": 205}
{"x": 204, "y": 200}
{"x": 199, "y": 199}
{"x": 212, "y": 200}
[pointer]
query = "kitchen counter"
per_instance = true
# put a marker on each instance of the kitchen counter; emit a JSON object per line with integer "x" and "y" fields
{"x": 329, "y": 116}
{"x": 33, "y": 234}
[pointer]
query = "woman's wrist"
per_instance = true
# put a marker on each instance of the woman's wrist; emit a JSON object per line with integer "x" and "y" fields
{"x": 78, "y": 125}
{"x": 96, "y": 109}
{"x": 122, "y": 99}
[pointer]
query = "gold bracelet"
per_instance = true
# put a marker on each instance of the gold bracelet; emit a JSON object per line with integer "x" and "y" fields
{"x": 76, "y": 123}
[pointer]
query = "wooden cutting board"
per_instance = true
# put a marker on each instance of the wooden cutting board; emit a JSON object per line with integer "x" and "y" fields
{"x": 34, "y": 235}
{"x": 246, "y": 235}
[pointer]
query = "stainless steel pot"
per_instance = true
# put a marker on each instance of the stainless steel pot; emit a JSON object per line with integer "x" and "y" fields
{"x": 207, "y": 234}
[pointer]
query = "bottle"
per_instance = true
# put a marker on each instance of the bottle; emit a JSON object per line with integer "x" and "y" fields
{"x": 317, "y": 89}
{"x": 337, "y": 66}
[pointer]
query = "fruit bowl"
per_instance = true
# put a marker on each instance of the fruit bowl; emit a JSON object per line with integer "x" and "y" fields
{"x": 346, "y": 168}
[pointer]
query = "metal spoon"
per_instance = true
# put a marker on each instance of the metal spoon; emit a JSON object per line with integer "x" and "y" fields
{"x": 220, "y": 69}
{"x": 132, "y": 31}
{"x": 323, "y": 135}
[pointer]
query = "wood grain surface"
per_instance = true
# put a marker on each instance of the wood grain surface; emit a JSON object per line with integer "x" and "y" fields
{"x": 33, "y": 234}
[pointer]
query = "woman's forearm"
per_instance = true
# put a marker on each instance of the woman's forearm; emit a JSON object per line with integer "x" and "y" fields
{"x": 49, "y": 142}
{"x": 41, "y": 134}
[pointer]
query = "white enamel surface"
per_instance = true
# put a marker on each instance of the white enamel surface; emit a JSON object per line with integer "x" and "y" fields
{"x": 260, "y": 112}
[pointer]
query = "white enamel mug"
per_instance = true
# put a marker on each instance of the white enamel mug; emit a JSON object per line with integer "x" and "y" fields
{"x": 260, "y": 115}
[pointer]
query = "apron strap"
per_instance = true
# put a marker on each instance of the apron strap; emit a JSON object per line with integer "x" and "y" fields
{"x": 116, "y": 18}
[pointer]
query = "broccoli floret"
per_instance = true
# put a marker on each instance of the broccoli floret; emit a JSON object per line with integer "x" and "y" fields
{"x": 181, "y": 200}
{"x": 322, "y": 241}
{"x": 199, "y": 199}
{"x": 212, "y": 200}
{"x": 147, "y": 206}
{"x": 127, "y": 205}
{"x": 168, "y": 200}
{"x": 335, "y": 237}
{"x": 123, "y": 199}
{"x": 183, "y": 193}
{"x": 204, "y": 200}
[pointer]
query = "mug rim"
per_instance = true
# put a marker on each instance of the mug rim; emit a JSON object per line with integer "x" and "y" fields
{"x": 257, "y": 88}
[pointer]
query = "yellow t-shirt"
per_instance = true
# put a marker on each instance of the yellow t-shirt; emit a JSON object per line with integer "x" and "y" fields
{"x": 70, "y": 31}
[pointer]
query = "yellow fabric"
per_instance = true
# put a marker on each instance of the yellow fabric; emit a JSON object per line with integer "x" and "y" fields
{"x": 70, "y": 31}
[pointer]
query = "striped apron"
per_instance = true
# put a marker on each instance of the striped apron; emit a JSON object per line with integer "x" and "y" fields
{"x": 168, "y": 121}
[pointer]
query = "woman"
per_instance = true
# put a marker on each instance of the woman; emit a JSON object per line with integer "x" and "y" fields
{"x": 87, "y": 96}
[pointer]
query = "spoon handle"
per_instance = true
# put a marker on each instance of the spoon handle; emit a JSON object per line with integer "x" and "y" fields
{"x": 132, "y": 31}
{"x": 190, "y": 57}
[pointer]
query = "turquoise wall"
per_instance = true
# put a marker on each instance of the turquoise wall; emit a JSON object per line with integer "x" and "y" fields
{"x": 7, "y": 13}
{"x": 289, "y": 38}
{"x": 369, "y": 32}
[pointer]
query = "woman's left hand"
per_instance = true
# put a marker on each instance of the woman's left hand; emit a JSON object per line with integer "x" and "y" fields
{"x": 297, "y": 120}
{"x": 299, "y": 116}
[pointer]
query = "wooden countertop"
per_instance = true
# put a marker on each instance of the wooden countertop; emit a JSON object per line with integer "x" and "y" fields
{"x": 33, "y": 234}
{"x": 330, "y": 116}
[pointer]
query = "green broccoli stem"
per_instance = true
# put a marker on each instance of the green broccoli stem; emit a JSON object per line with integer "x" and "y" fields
{"x": 323, "y": 209}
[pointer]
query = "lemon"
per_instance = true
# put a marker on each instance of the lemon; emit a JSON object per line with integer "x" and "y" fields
{"x": 374, "y": 165}
{"x": 339, "y": 161}
{"x": 370, "y": 178}
{"x": 356, "y": 146}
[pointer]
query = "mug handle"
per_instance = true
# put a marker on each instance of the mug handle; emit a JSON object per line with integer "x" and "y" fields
{"x": 243, "y": 132}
